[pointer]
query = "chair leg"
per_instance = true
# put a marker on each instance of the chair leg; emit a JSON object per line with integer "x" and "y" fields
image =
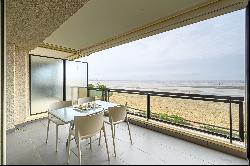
{"x": 47, "y": 131}
{"x": 75, "y": 141}
{"x": 100, "y": 138}
{"x": 112, "y": 129}
{"x": 79, "y": 151}
{"x": 56, "y": 138}
{"x": 129, "y": 133}
{"x": 105, "y": 136}
{"x": 68, "y": 148}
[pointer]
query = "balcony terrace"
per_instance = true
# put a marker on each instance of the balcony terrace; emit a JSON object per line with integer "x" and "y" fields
{"x": 39, "y": 53}
{"x": 27, "y": 146}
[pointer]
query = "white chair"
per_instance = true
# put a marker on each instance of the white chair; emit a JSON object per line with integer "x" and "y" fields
{"x": 54, "y": 106}
{"x": 85, "y": 100}
{"x": 117, "y": 115}
{"x": 86, "y": 127}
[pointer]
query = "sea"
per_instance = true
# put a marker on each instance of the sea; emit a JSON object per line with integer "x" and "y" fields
{"x": 234, "y": 88}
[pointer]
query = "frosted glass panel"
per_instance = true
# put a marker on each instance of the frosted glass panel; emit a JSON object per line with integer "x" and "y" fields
{"x": 46, "y": 83}
{"x": 76, "y": 80}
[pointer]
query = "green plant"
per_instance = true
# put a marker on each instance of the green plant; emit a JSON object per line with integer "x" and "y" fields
{"x": 173, "y": 118}
{"x": 218, "y": 130}
{"x": 91, "y": 86}
{"x": 178, "y": 119}
{"x": 163, "y": 116}
{"x": 101, "y": 86}
{"x": 110, "y": 93}
{"x": 144, "y": 113}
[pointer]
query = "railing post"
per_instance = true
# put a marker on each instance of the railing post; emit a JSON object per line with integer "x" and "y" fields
{"x": 88, "y": 91}
{"x": 148, "y": 107}
{"x": 103, "y": 94}
{"x": 64, "y": 80}
{"x": 231, "y": 124}
{"x": 241, "y": 122}
{"x": 108, "y": 95}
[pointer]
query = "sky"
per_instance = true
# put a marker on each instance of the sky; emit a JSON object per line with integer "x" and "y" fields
{"x": 213, "y": 49}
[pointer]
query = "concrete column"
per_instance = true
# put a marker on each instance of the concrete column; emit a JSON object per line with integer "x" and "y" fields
{"x": 16, "y": 86}
{"x": 20, "y": 85}
{"x": 10, "y": 54}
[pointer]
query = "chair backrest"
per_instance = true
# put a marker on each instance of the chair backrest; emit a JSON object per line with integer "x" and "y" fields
{"x": 60, "y": 104}
{"x": 118, "y": 113}
{"x": 89, "y": 125}
{"x": 85, "y": 100}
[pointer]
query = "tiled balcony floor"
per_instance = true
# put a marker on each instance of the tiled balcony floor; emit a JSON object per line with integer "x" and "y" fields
{"x": 27, "y": 146}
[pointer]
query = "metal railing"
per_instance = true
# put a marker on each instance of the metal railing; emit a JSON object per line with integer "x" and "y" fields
{"x": 224, "y": 99}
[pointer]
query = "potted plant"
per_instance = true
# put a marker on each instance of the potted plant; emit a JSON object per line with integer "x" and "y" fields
{"x": 91, "y": 90}
{"x": 97, "y": 91}
{"x": 101, "y": 90}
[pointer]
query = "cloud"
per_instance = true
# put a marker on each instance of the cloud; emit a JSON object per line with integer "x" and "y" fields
{"x": 212, "y": 49}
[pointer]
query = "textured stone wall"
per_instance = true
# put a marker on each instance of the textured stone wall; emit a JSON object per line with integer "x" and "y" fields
{"x": 29, "y": 22}
{"x": 20, "y": 90}
{"x": 16, "y": 86}
{"x": 27, "y": 86}
{"x": 10, "y": 55}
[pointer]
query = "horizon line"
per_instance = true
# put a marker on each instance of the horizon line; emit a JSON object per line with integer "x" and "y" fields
{"x": 164, "y": 80}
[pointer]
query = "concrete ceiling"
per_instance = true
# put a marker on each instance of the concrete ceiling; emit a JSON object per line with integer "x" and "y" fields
{"x": 100, "y": 20}
{"x": 29, "y": 22}
{"x": 49, "y": 53}
{"x": 102, "y": 24}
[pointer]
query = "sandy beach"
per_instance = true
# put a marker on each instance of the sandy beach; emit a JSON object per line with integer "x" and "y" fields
{"x": 212, "y": 113}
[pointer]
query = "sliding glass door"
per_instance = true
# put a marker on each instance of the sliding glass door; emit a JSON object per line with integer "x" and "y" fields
{"x": 46, "y": 83}
{"x": 76, "y": 80}
{"x": 53, "y": 80}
